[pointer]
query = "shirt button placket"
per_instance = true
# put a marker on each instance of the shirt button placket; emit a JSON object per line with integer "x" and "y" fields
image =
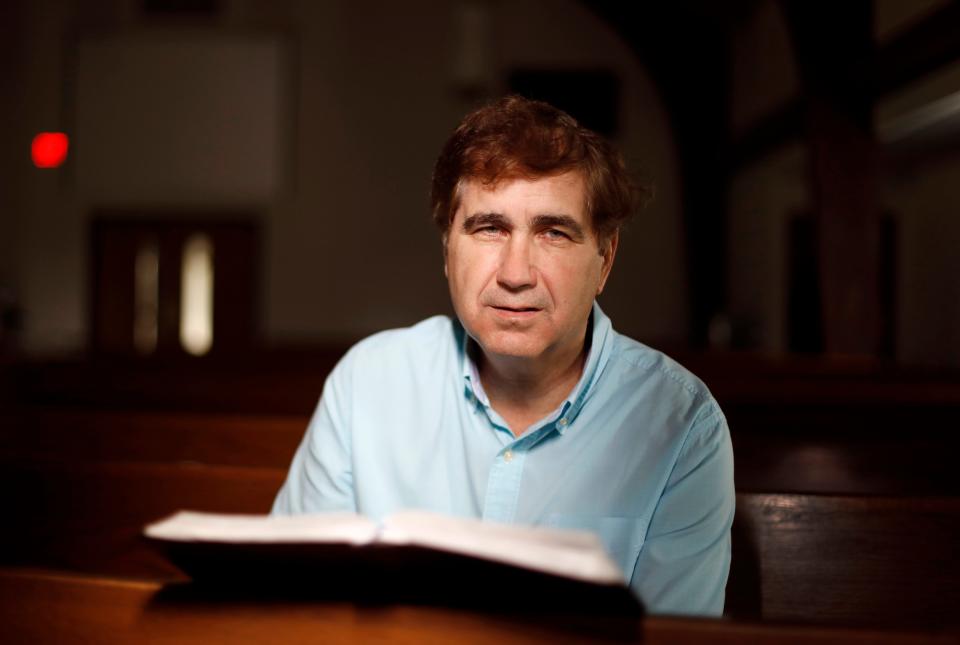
{"x": 503, "y": 487}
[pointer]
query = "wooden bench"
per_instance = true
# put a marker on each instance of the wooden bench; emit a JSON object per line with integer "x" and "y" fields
{"x": 851, "y": 560}
{"x": 877, "y": 550}
{"x": 89, "y": 516}
{"x": 256, "y": 382}
{"x": 43, "y": 607}
{"x": 854, "y": 560}
{"x": 916, "y": 459}
{"x": 267, "y": 441}
{"x": 798, "y": 425}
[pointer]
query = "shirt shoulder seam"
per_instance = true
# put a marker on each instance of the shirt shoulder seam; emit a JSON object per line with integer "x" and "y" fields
{"x": 648, "y": 360}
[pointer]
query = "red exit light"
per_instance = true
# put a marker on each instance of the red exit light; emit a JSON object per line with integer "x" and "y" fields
{"x": 49, "y": 149}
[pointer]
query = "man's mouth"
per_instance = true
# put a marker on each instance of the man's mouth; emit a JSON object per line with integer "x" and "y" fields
{"x": 516, "y": 309}
{"x": 514, "y": 315}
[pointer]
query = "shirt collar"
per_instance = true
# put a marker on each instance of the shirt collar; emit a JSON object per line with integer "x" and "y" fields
{"x": 599, "y": 331}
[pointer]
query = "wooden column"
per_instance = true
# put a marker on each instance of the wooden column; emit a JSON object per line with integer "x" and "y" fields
{"x": 684, "y": 47}
{"x": 834, "y": 47}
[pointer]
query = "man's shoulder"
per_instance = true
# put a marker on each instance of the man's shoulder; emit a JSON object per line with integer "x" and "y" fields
{"x": 418, "y": 341}
{"x": 652, "y": 370}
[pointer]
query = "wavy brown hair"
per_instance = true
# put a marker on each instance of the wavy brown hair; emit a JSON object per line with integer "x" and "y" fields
{"x": 520, "y": 138}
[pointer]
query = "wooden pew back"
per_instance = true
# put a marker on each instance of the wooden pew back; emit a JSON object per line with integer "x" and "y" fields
{"x": 230, "y": 439}
{"x": 854, "y": 560}
{"x": 89, "y": 516}
{"x": 81, "y": 485}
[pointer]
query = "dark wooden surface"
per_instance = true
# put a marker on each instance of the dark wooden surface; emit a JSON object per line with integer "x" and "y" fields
{"x": 800, "y": 425}
{"x": 842, "y": 560}
{"x": 826, "y": 449}
{"x": 37, "y": 606}
{"x": 853, "y": 560}
{"x": 254, "y": 382}
{"x": 89, "y": 516}
{"x": 290, "y": 381}
{"x": 875, "y": 449}
{"x": 93, "y": 435}
{"x": 847, "y": 494}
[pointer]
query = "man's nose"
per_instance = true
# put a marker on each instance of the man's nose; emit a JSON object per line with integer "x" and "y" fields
{"x": 516, "y": 265}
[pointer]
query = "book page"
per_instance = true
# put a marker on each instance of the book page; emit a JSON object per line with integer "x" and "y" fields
{"x": 571, "y": 554}
{"x": 338, "y": 528}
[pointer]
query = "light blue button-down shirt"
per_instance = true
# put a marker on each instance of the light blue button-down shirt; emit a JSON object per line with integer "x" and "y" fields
{"x": 639, "y": 453}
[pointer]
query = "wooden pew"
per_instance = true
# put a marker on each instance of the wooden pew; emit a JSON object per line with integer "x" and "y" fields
{"x": 846, "y": 459}
{"x": 88, "y": 517}
{"x": 800, "y": 425}
{"x": 846, "y": 427}
{"x": 290, "y": 382}
{"x": 916, "y": 460}
{"x": 82, "y": 482}
{"x": 40, "y": 607}
{"x": 852, "y": 560}
{"x": 256, "y": 382}
{"x": 267, "y": 441}
{"x": 847, "y": 560}
{"x": 80, "y": 485}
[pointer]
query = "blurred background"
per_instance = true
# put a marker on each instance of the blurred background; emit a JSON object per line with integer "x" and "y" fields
{"x": 803, "y": 157}
{"x": 204, "y": 203}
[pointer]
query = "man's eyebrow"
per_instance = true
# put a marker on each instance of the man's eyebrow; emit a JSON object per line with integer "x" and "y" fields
{"x": 478, "y": 220}
{"x": 559, "y": 221}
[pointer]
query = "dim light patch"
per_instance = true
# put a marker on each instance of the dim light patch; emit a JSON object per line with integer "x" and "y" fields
{"x": 49, "y": 149}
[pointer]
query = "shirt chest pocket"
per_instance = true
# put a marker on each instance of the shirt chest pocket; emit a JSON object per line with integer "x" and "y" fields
{"x": 622, "y": 537}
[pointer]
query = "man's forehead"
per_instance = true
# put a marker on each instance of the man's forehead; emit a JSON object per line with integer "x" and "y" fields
{"x": 562, "y": 194}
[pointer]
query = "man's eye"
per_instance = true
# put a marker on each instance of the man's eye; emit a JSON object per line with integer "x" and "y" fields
{"x": 555, "y": 234}
{"x": 487, "y": 230}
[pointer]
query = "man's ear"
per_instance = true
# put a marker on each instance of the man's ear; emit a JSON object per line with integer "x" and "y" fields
{"x": 608, "y": 252}
{"x": 443, "y": 243}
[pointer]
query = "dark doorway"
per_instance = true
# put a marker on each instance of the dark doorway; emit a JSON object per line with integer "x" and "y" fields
{"x": 149, "y": 272}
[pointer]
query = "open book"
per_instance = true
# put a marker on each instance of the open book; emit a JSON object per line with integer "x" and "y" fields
{"x": 411, "y": 556}
{"x": 577, "y": 555}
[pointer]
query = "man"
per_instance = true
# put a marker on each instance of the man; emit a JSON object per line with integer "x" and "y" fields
{"x": 528, "y": 407}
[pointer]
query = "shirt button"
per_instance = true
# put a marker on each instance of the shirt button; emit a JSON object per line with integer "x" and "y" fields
{"x": 562, "y": 423}
{"x": 508, "y": 456}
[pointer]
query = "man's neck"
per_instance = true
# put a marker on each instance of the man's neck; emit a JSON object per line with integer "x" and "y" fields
{"x": 523, "y": 391}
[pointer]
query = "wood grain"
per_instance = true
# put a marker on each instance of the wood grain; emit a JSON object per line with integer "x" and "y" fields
{"x": 37, "y": 606}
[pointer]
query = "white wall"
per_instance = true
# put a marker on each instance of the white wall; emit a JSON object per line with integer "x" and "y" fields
{"x": 174, "y": 116}
{"x": 349, "y": 247}
{"x": 50, "y": 274}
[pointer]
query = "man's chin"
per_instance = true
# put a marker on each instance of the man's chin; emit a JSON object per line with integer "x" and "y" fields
{"x": 509, "y": 344}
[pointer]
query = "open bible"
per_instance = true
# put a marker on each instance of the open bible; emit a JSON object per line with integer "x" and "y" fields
{"x": 410, "y": 555}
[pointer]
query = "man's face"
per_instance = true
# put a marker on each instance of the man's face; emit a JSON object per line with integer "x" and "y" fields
{"x": 524, "y": 265}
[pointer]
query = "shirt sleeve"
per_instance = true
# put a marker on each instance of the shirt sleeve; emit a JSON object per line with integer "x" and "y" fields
{"x": 683, "y": 565}
{"x": 321, "y": 475}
